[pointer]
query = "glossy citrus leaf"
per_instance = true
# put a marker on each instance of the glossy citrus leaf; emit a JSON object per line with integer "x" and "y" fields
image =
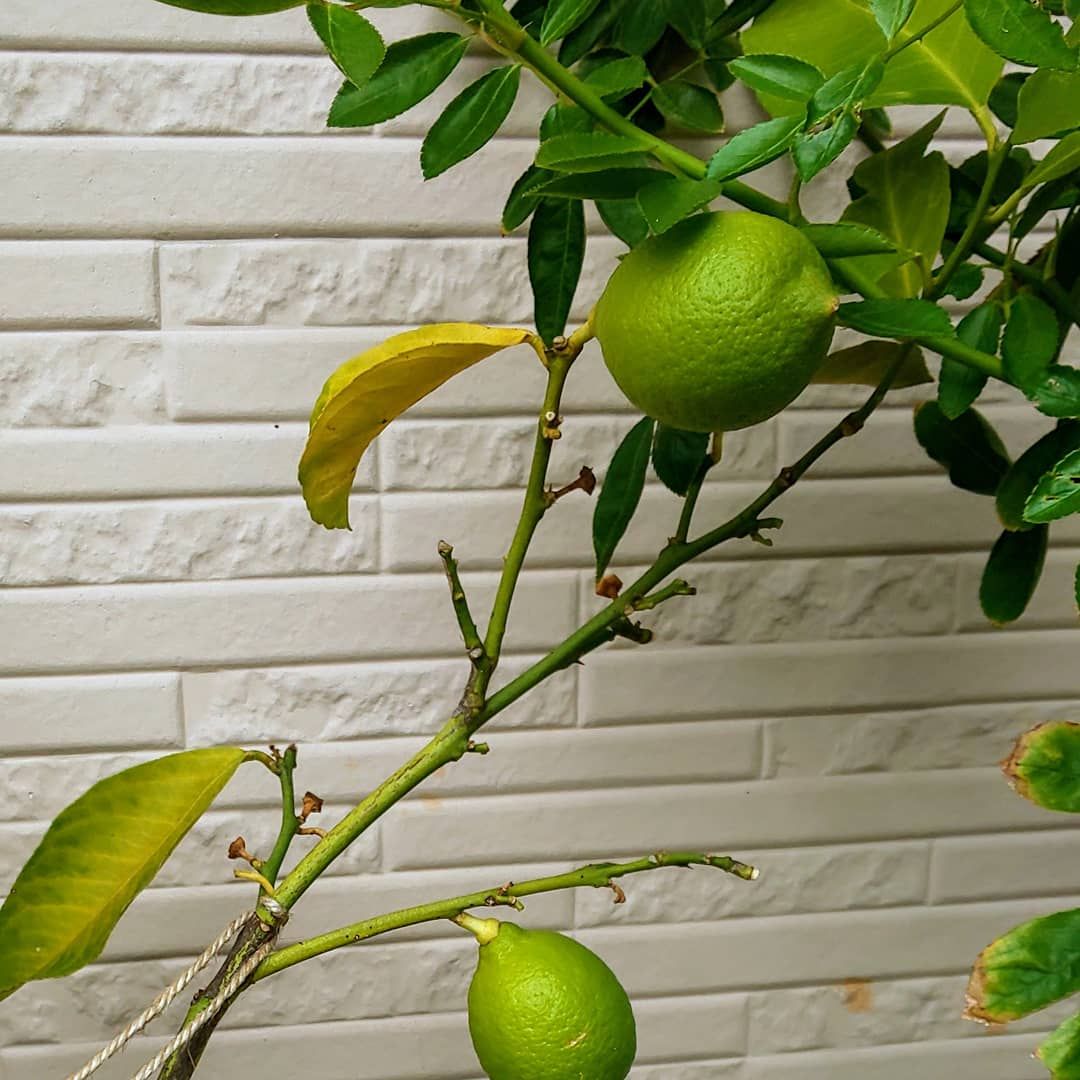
{"x": 1029, "y": 968}
{"x": 816, "y": 150}
{"x": 867, "y": 363}
{"x": 1044, "y": 766}
{"x": 625, "y": 220}
{"x": 906, "y": 197}
{"x": 586, "y": 151}
{"x": 605, "y": 184}
{"x": 1030, "y": 343}
{"x": 1062, "y": 160}
{"x": 844, "y": 241}
{"x": 1058, "y": 394}
{"x": 470, "y": 121}
{"x": 1012, "y": 574}
{"x": 1049, "y": 101}
{"x": 235, "y": 7}
{"x": 784, "y": 77}
{"x": 1029, "y": 469}
{"x": 412, "y": 70}
{"x": 621, "y": 492}
{"x": 689, "y": 106}
{"x": 1061, "y": 1052}
{"x": 563, "y": 16}
{"x": 98, "y": 855}
{"x": 950, "y": 66}
{"x": 892, "y": 15}
{"x": 1057, "y": 494}
{"x": 524, "y": 197}
{"x": 641, "y": 26}
{"x": 968, "y": 447}
{"x": 369, "y": 391}
{"x": 667, "y": 200}
{"x": 556, "y": 255}
{"x": 352, "y": 42}
{"x": 958, "y": 384}
{"x": 755, "y": 147}
{"x": 896, "y": 318}
{"x": 1021, "y": 32}
{"x": 677, "y": 456}
{"x": 617, "y": 78}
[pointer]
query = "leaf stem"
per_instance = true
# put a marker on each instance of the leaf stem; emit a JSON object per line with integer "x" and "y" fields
{"x": 596, "y": 875}
{"x": 915, "y": 38}
{"x": 290, "y": 822}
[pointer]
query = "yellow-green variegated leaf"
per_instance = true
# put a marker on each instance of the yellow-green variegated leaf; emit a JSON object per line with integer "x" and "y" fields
{"x": 367, "y": 392}
{"x": 97, "y": 857}
{"x": 950, "y": 66}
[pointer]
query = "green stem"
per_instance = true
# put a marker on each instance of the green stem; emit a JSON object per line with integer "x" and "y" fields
{"x": 916, "y": 37}
{"x": 290, "y": 823}
{"x": 596, "y": 875}
{"x": 469, "y": 633}
{"x": 1053, "y": 291}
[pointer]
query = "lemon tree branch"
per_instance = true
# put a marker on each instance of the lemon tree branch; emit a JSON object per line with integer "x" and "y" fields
{"x": 595, "y": 875}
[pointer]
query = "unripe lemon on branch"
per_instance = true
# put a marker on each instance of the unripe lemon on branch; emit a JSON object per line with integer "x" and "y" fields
{"x": 718, "y": 323}
{"x": 543, "y": 1007}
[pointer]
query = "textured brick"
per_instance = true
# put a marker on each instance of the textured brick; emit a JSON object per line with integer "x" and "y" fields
{"x": 277, "y": 374}
{"x": 944, "y": 737}
{"x": 94, "y": 379}
{"x": 251, "y": 622}
{"x": 317, "y": 703}
{"x": 87, "y": 711}
{"x": 755, "y": 814}
{"x": 342, "y": 282}
{"x": 210, "y": 187}
{"x": 76, "y": 283}
{"x": 185, "y": 540}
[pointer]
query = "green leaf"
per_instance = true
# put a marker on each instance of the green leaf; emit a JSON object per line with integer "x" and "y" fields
{"x": 1030, "y": 344}
{"x": 1061, "y": 1052}
{"x": 97, "y": 856}
{"x": 950, "y": 66}
{"x": 370, "y": 390}
{"x": 1044, "y": 766}
{"x": 966, "y": 281}
{"x": 867, "y": 363}
{"x": 814, "y": 152}
{"x": 958, "y": 384}
{"x": 618, "y": 77}
{"x": 1021, "y": 32}
{"x": 556, "y": 254}
{"x": 1059, "y": 392}
{"x": 689, "y": 105}
{"x": 583, "y": 39}
{"x": 667, "y": 201}
{"x": 621, "y": 493}
{"x": 892, "y": 15}
{"x": 1029, "y": 469}
{"x": 413, "y": 69}
{"x": 754, "y": 147}
{"x": 1005, "y": 97}
{"x": 896, "y": 318}
{"x": 352, "y": 42}
{"x": 1012, "y": 573}
{"x": 1057, "y": 195}
{"x": 1032, "y": 966}
{"x": 562, "y": 16}
{"x": 784, "y": 77}
{"x": 523, "y": 198}
{"x": 1049, "y": 104}
{"x": 1062, "y": 160}
{"x": 563, "y": 119}
{"x": 968, "y": 447}
{"x": 846, "y": 240}
{"x": 625, "y": 220}
{"x": 691, "y": 18}
{"x": 906, "y": 196}
{"x": 641, "y": 26}
{"x": 235, "y": 7}
{"x": 605, "y": 184}
{"x": 470, "y": 120}
{"x": 677, "y": 456}
{"x": 1057, "y": 494}
{"x": 590, "y": 150}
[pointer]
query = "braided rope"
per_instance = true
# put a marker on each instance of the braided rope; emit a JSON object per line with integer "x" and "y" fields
{"x": 170, "y": 993}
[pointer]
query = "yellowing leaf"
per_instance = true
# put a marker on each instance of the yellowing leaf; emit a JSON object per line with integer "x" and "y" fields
{"x": 369, "y": 391}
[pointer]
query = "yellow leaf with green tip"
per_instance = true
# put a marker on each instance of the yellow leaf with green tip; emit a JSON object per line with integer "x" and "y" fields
{"x": 367, "y": 392}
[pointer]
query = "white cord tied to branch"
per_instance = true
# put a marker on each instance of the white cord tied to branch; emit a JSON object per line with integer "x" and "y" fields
{"x": 170, "y": 993}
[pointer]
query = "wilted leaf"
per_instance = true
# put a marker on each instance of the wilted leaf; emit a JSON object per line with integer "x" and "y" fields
{"x": 1044, "y": 766}
{"x": 97, "y": 856}
{"x": 1012, "y": 574}
{"x": 621, "y": 492}
{"x": 968, "y": 447}
{"x": 867, "y": 363}
{"x": 369, "y": 391}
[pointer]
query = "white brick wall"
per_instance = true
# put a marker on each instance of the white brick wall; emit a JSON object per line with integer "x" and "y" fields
{"x": 186, "y": 255}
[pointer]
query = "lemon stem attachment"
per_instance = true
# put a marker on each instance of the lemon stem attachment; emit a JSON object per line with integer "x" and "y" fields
{"x": 484, "y": 930}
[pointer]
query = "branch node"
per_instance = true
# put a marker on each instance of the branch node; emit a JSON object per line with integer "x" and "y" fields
{"x": 852, "y": 424}
{"x": 310, "y": 830}
{"x": 551, "y": 425}
{"x": 632, "y": 631}
{"x": 480, "y": 748}
{"x": 238, "y": 850}
{"x": 254, "y": 875}
{"x": 586, "y": 481}
{"x": 678, "y": 587}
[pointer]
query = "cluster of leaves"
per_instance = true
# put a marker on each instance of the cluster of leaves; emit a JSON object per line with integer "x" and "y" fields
{"x": 1038, "y": 962}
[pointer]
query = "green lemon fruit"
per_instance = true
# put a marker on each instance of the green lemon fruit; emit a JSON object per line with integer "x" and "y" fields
{"x": 543, "y": 1007}
{"x": 718, "y": 323}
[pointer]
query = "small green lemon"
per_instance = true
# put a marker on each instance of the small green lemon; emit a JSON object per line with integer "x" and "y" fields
{"x": 543, "y": 1007}
{"x": 719, "y": 323}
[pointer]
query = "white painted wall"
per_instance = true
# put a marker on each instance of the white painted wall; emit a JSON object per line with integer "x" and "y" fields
{"x": 185, "y": 255}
